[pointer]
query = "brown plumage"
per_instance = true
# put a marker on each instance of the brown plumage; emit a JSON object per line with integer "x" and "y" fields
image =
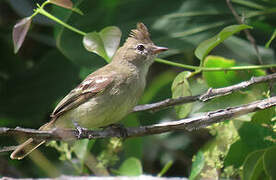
{"x": 141, "y": 33}
{"x": 106, "y": 95}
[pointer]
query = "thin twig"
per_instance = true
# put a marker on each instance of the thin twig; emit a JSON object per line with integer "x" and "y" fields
{"x": 246, "y": 31}
{"x": 183, "y": 124}
{"x": 210, "y": 94}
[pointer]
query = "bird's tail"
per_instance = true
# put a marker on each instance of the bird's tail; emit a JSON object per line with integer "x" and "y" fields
{"x": 28, "y": 146}
{"x": 25, "y": 148}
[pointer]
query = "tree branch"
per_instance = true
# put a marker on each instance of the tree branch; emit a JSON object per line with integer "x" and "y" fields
{"x": 246, "y": 31}
{"x": 188, "y": 124}
{"x": 210, "y": 94}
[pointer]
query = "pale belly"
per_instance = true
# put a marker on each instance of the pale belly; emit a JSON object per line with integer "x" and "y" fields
{"x": 100, "y": 111}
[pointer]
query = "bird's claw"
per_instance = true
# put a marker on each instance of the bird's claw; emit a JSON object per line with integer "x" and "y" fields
{"x": 79, "y": 129}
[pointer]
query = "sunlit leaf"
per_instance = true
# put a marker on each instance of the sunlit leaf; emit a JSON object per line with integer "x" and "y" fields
{"x": 19, "y": 33}
{"x": 206, "y": 46}
{"x": 253, "y": 166}
{"x": 270, "y": 162}
{"x": 111, "y": 37}
{"x": 181, "y": 88}
{"x": 197, "y": 166}
{"x": 226, "y": 78}
{"x": 93, "y": 42}
{"x": 131, "y": 167}
{"x": 104, "y": 43}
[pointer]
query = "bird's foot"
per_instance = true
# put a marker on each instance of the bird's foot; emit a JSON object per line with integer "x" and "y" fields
{"x": 79, "y": 129}
{"x": 118, "y": 128}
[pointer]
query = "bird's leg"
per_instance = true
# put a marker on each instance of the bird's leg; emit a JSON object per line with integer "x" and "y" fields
{"x": 119, "y": 128}
{"x": 79, "y": 129}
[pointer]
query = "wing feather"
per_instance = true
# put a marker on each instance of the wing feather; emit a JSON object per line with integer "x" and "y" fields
{"x": 89, "y": 88}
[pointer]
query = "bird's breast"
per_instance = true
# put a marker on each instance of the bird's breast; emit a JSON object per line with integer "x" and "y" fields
{"x": 108, "y": 107}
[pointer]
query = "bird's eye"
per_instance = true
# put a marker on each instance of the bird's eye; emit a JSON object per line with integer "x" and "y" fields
{"x": 140, "y": 47}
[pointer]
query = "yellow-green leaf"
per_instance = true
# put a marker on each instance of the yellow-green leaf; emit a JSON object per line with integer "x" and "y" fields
{"x": 206, "y": 46}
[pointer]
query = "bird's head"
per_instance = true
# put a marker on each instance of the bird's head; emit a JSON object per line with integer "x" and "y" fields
{"x": 138, "y": 48}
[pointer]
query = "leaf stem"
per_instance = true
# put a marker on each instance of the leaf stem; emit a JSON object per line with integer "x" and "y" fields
{"x": 50, "y": 16}
{"x": 234, "y": 68}
{"x": 196, "y": 68}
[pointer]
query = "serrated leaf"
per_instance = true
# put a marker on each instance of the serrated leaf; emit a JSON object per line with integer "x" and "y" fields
{"x": 270, "y": 162}
{"x": 206, "y": 46}
{"x": 181, "y": 88}
{"x": 104, "y": 43}
{"x": 131, "y": 167}
{"x": 253, "y": 166}
{"x": 19, "y": 33}
{"x": 197, "y": 165}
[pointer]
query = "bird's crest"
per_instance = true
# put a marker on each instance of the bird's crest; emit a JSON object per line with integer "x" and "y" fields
{"x": 141, "y": 33}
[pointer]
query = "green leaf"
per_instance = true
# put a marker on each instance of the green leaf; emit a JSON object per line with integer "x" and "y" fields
{"x": 253, "y": 166}
{"x": 131, "y": 167}
{"x": 104, "y": 43}
{"x": 220, "y": 78}
{"x": 226, "y": 78}
{"x": 232, "y": 48}
{"x": 270, "y": 162}
{"x": 197, "y": 165}
{"x": 271, "y": 39}
{"x": 165, "y": 168}
{"x": 19, "y": 32}
{"x": 264, "y": 116}
{"x": 249, "y": 4}
{"x": 99, "y": 14}
{"x": 181, "y": 88}
{"x": 206, "y": 46}
{"x": 133, "y": 147}
{"x": 253, "y": 137}
{"x": 80, "y": 148}
{"x": 236, "y": 154}
{"x": 163, "y": 79}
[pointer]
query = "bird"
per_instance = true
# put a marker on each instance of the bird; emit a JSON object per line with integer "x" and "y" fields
{"x": 108, "y": 94}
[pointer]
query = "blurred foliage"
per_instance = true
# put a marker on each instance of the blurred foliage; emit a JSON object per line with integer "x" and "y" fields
{"x": 53, "y": 60}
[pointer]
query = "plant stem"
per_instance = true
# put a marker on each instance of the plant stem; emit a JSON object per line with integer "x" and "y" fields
{"x": 50, "y": 16}
{"x": 234, "y": 68}
{"x": 196, "y": 68}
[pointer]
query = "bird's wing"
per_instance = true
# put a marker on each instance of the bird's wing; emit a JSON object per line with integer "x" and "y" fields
{"x": 89, "y": 88}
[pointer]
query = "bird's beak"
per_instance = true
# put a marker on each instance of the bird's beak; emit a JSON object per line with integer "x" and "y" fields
{"x": 158, "y": 49}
